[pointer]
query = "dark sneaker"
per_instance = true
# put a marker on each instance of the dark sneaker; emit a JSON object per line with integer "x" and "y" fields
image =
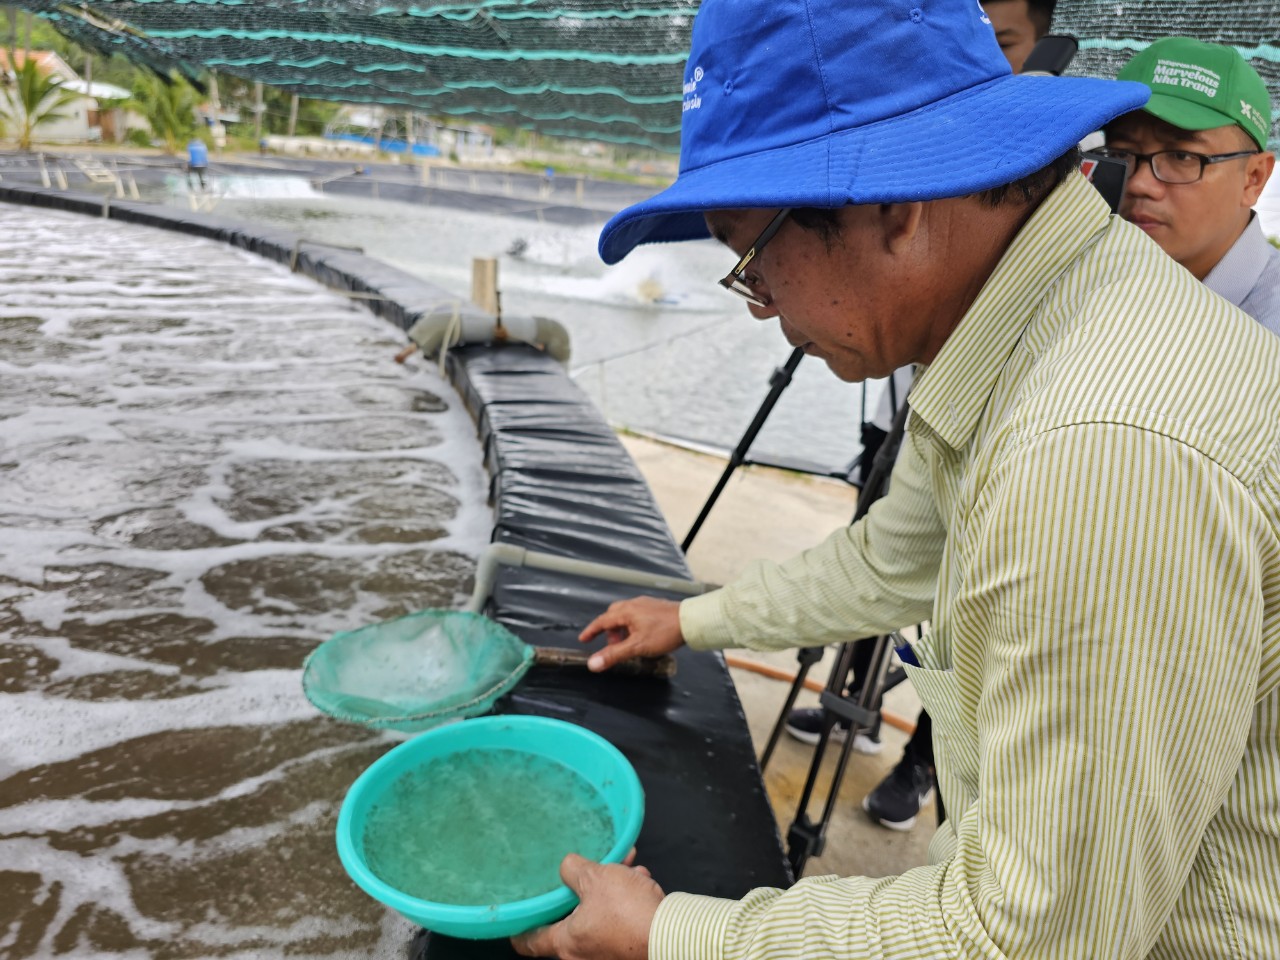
{"x": 806, "y": 726}
{"x": 898, "y": 800}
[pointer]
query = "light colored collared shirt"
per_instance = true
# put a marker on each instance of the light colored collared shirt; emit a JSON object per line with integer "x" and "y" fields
{"x": 1248, "y": 275}
{"x": 1088, "y": 513}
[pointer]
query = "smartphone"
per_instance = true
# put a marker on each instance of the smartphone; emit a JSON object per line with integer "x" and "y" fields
{"x": 1108, "y": 175}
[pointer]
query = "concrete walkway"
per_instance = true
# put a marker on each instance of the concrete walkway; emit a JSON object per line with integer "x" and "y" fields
{"x": 773, "y": 514}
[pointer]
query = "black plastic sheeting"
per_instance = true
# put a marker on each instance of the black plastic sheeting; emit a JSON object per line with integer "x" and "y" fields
{"x": 562, "y": 483}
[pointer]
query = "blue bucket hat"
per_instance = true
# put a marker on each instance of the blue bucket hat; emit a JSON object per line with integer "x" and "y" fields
{"x": 822, "y": 103}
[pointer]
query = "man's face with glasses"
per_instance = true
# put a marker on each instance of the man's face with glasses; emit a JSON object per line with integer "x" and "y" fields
{"x": 1190, "y": 190}
{"x": 742, "y": 279}
{"x": 844, "y": 289}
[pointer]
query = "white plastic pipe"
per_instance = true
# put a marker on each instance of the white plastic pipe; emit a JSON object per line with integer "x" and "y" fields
{"x": 443, "y": 330}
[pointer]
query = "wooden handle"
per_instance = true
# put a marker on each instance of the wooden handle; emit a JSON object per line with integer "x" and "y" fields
{"x": 662, "y": 668}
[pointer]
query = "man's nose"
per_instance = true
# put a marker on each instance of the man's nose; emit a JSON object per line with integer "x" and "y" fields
{"x": 763, "y": 312}
{"x": 1143, "y": 182}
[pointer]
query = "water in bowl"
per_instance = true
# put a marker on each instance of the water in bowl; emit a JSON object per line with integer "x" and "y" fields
{"x": 484, "y": 827}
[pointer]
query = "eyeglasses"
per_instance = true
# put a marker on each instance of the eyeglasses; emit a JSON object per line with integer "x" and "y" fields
{"x": 1173, "y": 166}
{"x": 734, "y": 281}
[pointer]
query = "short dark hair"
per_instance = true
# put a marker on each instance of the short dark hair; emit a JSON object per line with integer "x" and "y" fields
{"x": 1034, "y": 187}
{"x": 1031, "y": 189}
{"x": 824, "y": 221}
{"x": 1039, "y": 12}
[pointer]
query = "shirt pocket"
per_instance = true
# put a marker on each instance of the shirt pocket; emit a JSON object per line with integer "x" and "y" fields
{"x": 955, "y": 736}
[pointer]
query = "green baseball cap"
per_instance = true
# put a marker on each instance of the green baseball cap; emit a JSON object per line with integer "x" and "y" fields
{"x": 1199, "y": 86}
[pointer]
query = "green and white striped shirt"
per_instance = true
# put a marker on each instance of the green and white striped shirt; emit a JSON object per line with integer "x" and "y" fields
{"x": 1087, "y": 509}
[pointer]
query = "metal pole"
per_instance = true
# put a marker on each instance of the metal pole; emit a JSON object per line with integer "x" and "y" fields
{"x": 215, "y": 103}
{"x": 257, "y": 110}
{"x": 293, "y": 114}
{"x": 777, "y": 383}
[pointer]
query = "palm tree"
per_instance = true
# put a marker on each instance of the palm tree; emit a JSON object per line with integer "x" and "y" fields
{"x": 31, "y": 99}
{"x": 168, "y": 107}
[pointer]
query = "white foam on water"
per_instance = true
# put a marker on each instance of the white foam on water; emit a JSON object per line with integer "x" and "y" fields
{"x": 76, "y": 661}
{"x": 100, "y": 881}
{"x": 148, "y": 381}
{"x": 43, "y": 730}
{"x": 244, "y": 187}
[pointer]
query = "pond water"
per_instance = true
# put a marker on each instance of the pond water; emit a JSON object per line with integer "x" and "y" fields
{"x": 658, "y": 345}
{"x": 207, "y": 465}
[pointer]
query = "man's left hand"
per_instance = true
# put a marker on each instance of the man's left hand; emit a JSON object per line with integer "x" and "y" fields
{"x": 610, "y": 923}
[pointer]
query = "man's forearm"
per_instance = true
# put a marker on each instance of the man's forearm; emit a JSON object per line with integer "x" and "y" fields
{"x": 874, "y": 576}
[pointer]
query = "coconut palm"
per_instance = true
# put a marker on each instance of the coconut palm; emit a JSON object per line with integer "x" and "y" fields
{"x": 169, "y": 108}
{"x": 31, "y": 98}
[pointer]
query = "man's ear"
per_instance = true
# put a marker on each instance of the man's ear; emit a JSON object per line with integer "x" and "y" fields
{"x": 900, "y": 222}
{"x": 1256, "y": 174}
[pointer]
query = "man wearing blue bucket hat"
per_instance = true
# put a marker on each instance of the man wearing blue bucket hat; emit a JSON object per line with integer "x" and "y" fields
{"x": 1085, "y": 509}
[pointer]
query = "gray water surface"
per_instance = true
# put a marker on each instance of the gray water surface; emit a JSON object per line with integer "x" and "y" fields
{"x": 207, "y": 466}
{"x": 658, "y": 345}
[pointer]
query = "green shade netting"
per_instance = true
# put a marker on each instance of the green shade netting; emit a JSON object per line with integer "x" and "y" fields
{"x": 601, "y": 70}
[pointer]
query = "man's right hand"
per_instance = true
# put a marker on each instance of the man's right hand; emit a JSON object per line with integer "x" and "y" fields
{"x": 641, "y": 627}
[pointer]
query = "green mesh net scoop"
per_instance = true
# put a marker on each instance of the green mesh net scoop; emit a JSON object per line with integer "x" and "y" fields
{"x": 423, "y": 669}
{"x": 417, "y": 671}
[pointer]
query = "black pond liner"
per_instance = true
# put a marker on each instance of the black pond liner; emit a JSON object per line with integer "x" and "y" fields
{"x": 561, "y": 483}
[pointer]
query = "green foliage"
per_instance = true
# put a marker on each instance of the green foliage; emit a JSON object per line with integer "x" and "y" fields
{"x": 13, "y": 33}
{"x": 169, "y": 109}
{"x": 31, "y": 100}
{"x": 1274, "y": 241}
{"x": 137, "y": 138}
{"x": 312, "y": 114}
{"x": 238, "y": 96}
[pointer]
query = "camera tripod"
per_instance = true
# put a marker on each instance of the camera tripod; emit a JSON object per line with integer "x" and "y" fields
{"x": 861, "y": 710}
{"x": 805, "y": 837}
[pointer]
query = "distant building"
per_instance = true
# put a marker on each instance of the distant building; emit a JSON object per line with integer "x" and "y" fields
{"x": 399, "y": 131}
{"x": 95, "y": 114}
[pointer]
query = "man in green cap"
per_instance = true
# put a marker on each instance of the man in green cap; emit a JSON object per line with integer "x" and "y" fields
{"x": 1198, "y": 161}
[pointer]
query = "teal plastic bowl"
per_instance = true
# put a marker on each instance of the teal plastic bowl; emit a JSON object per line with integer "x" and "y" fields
{"x": 590, "y": 756}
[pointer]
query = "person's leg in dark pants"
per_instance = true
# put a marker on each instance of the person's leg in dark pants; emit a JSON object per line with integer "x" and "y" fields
{"x": 897, "y": 801}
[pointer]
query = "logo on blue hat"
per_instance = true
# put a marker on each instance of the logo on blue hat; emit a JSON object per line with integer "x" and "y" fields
{"x": 691, "y": 99}
{"x": 983, "y": 14}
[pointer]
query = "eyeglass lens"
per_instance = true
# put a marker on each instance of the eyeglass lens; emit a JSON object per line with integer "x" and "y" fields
{"x": 1175, "y": 166}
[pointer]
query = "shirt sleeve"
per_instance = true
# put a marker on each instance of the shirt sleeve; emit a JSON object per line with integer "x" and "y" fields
{"x": 866, "y": 579}
{"x": 1112, "y": 608}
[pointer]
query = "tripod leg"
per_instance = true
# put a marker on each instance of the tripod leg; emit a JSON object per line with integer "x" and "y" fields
{"x": 778, "y": 382}
{"x": 805, "y": 838}
{"x": 807, "y": 656}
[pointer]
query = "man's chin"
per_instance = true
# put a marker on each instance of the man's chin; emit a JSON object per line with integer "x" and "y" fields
{"x": 848, "y": 370}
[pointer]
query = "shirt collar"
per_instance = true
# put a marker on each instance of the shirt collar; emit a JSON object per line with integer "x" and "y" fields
{"x": 1237, "y": 273}
{"x": 953, "y": 392}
